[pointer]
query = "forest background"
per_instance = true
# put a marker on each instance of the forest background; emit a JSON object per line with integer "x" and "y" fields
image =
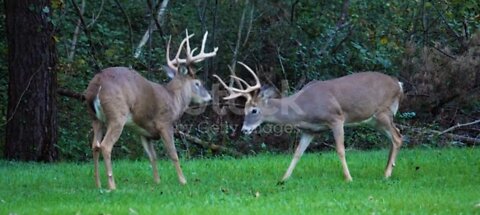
{"x": 433, "y": 47}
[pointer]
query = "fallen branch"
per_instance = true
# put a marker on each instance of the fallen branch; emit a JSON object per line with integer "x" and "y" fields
{"x": 465, "y": 139}
{"x": 206, "y": 145}
{"x": 458, "y": 126}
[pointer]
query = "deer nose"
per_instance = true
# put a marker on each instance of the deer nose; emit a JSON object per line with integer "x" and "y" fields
{"x": 247, "y": 130}
{"x": 208, "y": 97}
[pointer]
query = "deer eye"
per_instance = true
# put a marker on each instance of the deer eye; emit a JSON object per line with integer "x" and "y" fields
{"x": 254, "y": 111}
{"x": 197, "y": 84}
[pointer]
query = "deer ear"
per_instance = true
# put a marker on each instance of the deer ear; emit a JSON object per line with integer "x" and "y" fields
{"x": 268, "y": 92}
{"x": 170, "y": 72}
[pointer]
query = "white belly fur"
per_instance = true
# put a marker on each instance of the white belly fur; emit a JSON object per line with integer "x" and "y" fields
{"x": 367, "y": 121}
{"x": 321, "y": 127}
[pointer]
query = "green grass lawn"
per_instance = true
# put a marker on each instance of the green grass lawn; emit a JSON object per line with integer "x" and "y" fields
{"x": 435, "y": 181}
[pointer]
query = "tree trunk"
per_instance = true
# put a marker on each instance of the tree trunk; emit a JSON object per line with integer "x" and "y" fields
{"x": 31, "y": 132}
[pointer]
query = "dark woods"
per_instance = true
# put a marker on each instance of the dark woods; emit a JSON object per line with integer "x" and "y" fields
{"x": 433, "y": 47}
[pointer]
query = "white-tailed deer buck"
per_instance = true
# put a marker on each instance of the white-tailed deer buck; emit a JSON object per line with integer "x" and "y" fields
{"x": 119, "y": 96}
{"x": 350, "y": 100}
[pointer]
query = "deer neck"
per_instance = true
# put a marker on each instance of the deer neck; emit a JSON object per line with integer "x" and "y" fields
{"x": 281, "y": 110}
{"x": 180, "y": 94}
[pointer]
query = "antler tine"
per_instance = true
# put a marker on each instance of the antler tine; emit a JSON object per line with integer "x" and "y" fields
{"x": 188, "y": 45}
{"x": 202, "y": 55}
{"x": 177, "y": 60}
{"x": 181, "y": 46}
{"x": 167, "y": 55}
{"x": 249, "y": 88}
{"x": 230, "y": 91}
{"x": 223, "y": 83}
{"x": 232, "y": 72}
{"x": 235, "y": 92}
{"x": 241, "y": 81}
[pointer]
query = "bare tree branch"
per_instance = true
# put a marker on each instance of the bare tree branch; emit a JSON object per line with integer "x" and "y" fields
{"x": 458, "y": 126}
{"x": 465, "y": 29}
{"x": 95, "y": 17}
{"x": 93, "y": 51}
{"x": 210, "y": 63}
{"x": 71, "y": 94}
{"x": 444, "y": 53}
{"x": 341, "y": 23}
{"x": 151, "y": 28}
{"x": 292, "y": 10}
{"x": 465, "y": 139}
{"x": 237, "y": 46}
{"x": 459, "y": 38}
{"x": 201, "y": 12}
{"x": 76, "y": 32}
{"x": 156, "y": 20}
{"x": 127, "y": 18}
{"x": 279, "y": 56}
{"x": 249, "y": 29}
{"x": 81, "y": 10}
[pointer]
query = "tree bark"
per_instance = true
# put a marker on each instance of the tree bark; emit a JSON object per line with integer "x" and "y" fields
{"x": 31, "y": 129}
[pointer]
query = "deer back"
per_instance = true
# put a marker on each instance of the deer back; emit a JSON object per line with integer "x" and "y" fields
{"x": 357, "y": 96}
{"x": 122, "y": 93}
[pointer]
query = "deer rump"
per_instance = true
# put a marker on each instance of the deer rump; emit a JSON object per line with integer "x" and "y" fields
{"x": 133, "y": 97}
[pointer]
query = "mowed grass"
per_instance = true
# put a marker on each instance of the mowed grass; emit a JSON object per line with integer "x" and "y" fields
{"x": 434, "y": 181}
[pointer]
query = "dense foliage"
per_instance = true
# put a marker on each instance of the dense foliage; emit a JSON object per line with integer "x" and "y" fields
{"x": 296, "y": 41}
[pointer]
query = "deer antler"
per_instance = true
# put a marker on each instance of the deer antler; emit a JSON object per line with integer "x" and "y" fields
{"x": 202, "y": 55}
{"x": 173, "y": 64}
{"x": 236, "y": 92}
{"x": 190, "y": 58}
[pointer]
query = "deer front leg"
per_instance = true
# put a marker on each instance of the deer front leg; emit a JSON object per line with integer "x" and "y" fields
{"x": 97, "y": 138}
{"x": 304, "y": 142}
{"x": 150, "y": 150}
{"x": 167, "y": 136}
{"x": 338, "y": 134}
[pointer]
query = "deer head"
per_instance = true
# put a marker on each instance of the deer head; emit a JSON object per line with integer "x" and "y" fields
{"x": 182, "y": 72}
{"x": 257, "y": 97}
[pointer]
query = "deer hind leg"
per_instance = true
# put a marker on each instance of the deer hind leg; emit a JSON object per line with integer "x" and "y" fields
{"x": 167, "y": 136}
{"x": 150, "y": 150}
{"x": 338, "y": 134}
{"x": 97, "y": 138}
{"x": 114, "y": 130}
{"x": 385, "y": 124}
{"x": 304, "y": 142}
